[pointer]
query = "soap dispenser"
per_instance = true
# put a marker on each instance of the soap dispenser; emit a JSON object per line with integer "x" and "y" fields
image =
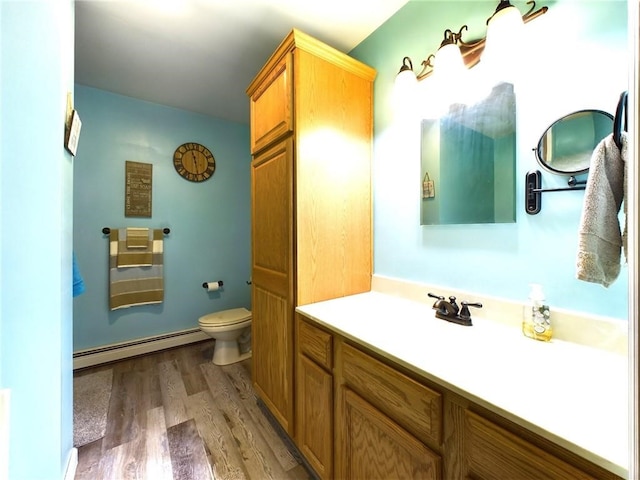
{"x": 536, "y": 321}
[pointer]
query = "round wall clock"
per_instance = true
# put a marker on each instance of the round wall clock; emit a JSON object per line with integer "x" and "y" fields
{"x": 194, "y": 162}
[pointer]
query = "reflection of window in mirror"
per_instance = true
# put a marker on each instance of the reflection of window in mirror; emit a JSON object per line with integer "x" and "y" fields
{"x": 470, "y": 153}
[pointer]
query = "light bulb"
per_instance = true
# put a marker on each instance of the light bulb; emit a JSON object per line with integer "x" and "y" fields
{"x": 504, "y": 34}
{"x": 404, "y": 93}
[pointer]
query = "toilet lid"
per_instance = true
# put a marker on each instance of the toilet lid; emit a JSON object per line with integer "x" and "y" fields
{"x": 226, "y": 317}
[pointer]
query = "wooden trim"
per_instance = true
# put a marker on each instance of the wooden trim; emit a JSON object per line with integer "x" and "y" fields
{"x": 298, "y": 39}
{"x": 332, "y": 55}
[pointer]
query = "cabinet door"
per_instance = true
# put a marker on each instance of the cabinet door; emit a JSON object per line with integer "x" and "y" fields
{"x": 314, "y": 416}
{"x": 271, "y": 106}
{"x": 375, "y": 447}
{"x": 272, "y": 293}
{"x": 333, "y": 127}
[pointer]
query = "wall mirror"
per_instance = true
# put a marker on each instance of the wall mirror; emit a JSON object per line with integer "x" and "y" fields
{"x": 469, "y": 162}
{"x": 566, "y": 147}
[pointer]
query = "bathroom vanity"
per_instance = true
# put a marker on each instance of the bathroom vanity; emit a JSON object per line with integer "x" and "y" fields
{"x": 367, "y": 381}
{"x": 386, "y": 390}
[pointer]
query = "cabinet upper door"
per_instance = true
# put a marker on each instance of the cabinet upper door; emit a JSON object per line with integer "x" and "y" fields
{"x": 271, "y": 104}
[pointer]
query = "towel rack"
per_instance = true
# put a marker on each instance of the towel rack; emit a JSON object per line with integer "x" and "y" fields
{"x": 107, "y": 230}
{"x": 621, "y": 116}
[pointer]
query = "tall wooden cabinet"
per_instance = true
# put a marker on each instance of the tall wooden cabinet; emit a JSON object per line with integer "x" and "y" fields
{"x": 311, "y": 131}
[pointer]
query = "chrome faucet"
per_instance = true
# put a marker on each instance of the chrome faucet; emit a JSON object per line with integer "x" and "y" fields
{"x": 451, "y": 312}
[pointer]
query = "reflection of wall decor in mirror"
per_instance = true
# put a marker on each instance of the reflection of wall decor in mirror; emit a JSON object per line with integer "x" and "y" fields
{"x": 565, "y": 148}
{"x": 471, "y": 154}
{"x": 428, "y": 187}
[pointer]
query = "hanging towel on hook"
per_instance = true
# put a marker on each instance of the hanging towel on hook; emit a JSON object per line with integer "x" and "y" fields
{"x": 599, "y": 236}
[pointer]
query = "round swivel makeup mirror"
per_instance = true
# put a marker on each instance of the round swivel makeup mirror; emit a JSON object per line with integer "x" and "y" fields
{"x": 565, "y": 148}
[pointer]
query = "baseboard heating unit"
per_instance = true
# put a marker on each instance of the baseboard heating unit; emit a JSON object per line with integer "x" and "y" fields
{"x": 140, "y": 346}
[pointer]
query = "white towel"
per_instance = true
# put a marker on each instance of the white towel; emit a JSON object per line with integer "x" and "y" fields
{"x": 599, "y": 237}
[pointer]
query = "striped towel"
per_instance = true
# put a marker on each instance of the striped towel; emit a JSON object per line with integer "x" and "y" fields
{"x": 134, "y": 247}
{"x": 136, "y": 272}
{"x": 138, "y": 238}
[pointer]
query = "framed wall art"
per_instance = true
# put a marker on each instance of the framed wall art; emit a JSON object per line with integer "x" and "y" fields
{"x": 138, "y": 189}
{"x": 73, "y": 133}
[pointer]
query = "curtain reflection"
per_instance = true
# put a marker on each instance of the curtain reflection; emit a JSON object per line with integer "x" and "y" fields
{"x": 469, "y": 155}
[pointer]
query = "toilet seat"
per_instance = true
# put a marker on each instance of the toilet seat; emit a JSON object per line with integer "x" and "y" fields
{"x": 225, "y": 317}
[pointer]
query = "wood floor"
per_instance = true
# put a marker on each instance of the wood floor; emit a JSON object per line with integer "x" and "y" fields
{"x": 175, "y": 415}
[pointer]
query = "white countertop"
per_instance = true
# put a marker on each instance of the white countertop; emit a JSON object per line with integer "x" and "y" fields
{"x": 572, "y": 394}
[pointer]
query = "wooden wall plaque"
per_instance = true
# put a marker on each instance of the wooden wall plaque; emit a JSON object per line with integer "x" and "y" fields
{"x": 138, "y": 189}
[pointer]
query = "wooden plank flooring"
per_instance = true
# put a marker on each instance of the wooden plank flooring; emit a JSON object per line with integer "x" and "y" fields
{"x": 174, "y": 415}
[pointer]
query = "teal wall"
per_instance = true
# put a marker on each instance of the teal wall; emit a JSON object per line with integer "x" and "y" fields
{"x": 209, "y": 221}
{"x": 36, "y": 51}
{"x": 557, "y": 76}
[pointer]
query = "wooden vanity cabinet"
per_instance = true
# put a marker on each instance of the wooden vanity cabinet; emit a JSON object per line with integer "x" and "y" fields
{"x": 314, "y": 397}
{"x": 361, "y": 415}
{"x": 311, "y": 133}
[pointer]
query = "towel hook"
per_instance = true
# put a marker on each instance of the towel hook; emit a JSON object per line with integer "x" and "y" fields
{"x": 621, "y": 115}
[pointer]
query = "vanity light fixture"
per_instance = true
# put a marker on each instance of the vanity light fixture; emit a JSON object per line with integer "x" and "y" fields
{"x": 406, "y": 75}
{"x": 504, "y": 32}
{"x": 471, "y": 51}
{"x": 505, "y": 14}
{"x": 448, "y": 58}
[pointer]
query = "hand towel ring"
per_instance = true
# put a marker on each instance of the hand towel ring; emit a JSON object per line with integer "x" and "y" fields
{"x": 621, "y": 114}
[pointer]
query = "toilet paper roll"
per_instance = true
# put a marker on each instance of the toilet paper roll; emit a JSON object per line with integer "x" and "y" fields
{"x": 212, "y": 286}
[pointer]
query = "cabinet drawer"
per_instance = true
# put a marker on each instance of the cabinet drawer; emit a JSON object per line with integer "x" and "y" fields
{"x": 495, "y": 453}
{"x": 376, "y": 447}
{"x": 271, "y": 106}
{"x": 414, "y": 406}
{"x": 315, "y": 343}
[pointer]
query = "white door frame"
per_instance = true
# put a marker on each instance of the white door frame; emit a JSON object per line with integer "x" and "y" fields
{"x": 633, "y": 224}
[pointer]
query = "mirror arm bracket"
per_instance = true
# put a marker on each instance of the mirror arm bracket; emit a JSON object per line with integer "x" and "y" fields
{"x": 533, "y": 190}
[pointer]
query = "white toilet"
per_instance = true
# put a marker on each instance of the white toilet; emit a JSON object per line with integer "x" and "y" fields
{"x": 226, "y": 327}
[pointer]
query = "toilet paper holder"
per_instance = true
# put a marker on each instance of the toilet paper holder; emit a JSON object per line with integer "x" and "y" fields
{"x": 205, "y": 285}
